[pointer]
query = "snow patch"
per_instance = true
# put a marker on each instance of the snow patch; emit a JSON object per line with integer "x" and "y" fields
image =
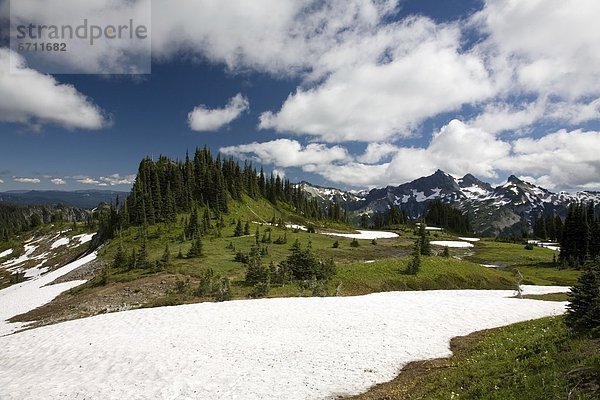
{"x": 451, "y": 243}
{"x": 365, "y": 235}
{"x": 20, "y": 298}
{"x": 469, "y": 239}
{"x": 6, "y": 253}
{"x": 292, "y": 348}
{"x": 60, "y": 242}
{"x": 86, "y": 237}
{"x": 299, "y": 227}
{"x": 29, "y": 249}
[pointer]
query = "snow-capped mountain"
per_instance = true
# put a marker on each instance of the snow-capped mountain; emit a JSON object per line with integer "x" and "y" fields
{"x": 509, "y": 208}
{"x": 332, "y": 194}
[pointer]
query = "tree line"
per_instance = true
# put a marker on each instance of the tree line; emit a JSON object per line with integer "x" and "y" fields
{"x": 16, "y": 219}
{"x": 581, "y": 235}
{"x": 445, "y": 216}
{"x": 165, "y": 187}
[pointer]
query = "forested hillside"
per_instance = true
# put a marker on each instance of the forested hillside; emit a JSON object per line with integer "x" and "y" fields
{"x": 165, "y": 187}
{"x": 581, "y": 234}
{"x": 15, "y": 219}
{"x": 446, "y": 216}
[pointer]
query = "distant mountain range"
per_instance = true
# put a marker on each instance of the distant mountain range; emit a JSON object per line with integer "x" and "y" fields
{"x": 80, "y": 198}
{"x": 506, "y": 209}
{"x": 503, "y": 210}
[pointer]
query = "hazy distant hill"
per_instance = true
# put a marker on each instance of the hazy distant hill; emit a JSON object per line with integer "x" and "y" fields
{"x": 78, "y": 198}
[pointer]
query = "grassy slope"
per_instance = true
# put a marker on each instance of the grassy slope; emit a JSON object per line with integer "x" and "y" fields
{"x": 531, "y": 360}
{"x": 355, "y": 275}
{"x": 536, "y": 265}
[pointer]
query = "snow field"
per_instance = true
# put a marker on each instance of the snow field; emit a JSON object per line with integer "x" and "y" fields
{"x": 286, "y": 348}
{"x": 23, "y": 297}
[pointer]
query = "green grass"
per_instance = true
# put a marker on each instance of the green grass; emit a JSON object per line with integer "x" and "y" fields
{"x": 537, "y": 359}
{"x": 436, "y": 273}
{"x": 510, "y": 254}
{"x": 387, "y": 260}
{"x": 532, "y": 360}
{"x": 536, "y": 266}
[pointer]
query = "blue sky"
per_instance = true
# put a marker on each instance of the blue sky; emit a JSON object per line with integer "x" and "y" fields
{"x": 351, "y": 94}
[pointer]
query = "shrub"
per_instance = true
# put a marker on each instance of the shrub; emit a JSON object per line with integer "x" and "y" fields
{"x": 354, "y": 243}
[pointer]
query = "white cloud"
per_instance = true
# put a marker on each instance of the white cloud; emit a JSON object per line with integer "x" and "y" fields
{"x": 202, "y": 118}
{"x": 563, "y": 160}
{"x": 1, "y": 181}
{"x": 116, "y": 179}
{"x": 278, "y": 172}
{"x": 500, "y": 117}
{"x": 27, "y": 180}
{"x": 87, "y": 180}
{"x": 288, "y": 153}
{"x": 105, "y": 56}
{"x": 424, "y": 74}
{"x": 551, "y": 46}
{"x": 355, "y": 174}
{"x": 29, "y": 97}
{"x": 58, "y": 181}
{"x": 575, "y": 113}
{"x": 375, "y": 152}
{"x": 287, "y": 39}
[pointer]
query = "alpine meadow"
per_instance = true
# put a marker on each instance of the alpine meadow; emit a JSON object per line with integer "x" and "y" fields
{"x": 300, "y": 199}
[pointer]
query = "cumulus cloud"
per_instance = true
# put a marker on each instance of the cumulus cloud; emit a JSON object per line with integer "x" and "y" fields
{"x": 288, "y": 153}
{"x": 563, "y": 160}
{"x": 27, "y": 180}
{"x": 29, "y": 97}
{"x": 87, "y": 180}
{"x": 371, "y": 100}
{"x": 287, "y": 40}
{"x": 58, "y": 181}
{"x": 119, "y": 56}
{"x": 116, "y": 179}
{"x": 375, "y": 152}
{"x": 549, "y": 45}
{"x": 500, "y": 117}
{"x": 202, "y": 118}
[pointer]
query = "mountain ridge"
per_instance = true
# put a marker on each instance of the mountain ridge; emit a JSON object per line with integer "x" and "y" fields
{"x": 506, "y": 209}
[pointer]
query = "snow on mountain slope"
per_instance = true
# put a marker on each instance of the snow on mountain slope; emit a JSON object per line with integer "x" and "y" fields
{"x": 331, "y": 194}
{"x": 507, "y": 208}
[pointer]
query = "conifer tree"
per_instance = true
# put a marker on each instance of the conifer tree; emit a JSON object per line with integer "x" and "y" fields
{"x": 239, "y": 231}
{"x": 142, "y": 257}
{"x": 583, "y": 310}
{"x": 166, "y": 257}
{"x": 424, "y": 245}
{"x": 415, "y": 264}
{"x": 120, "y": 259}
{"x": 196, "y": 249}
